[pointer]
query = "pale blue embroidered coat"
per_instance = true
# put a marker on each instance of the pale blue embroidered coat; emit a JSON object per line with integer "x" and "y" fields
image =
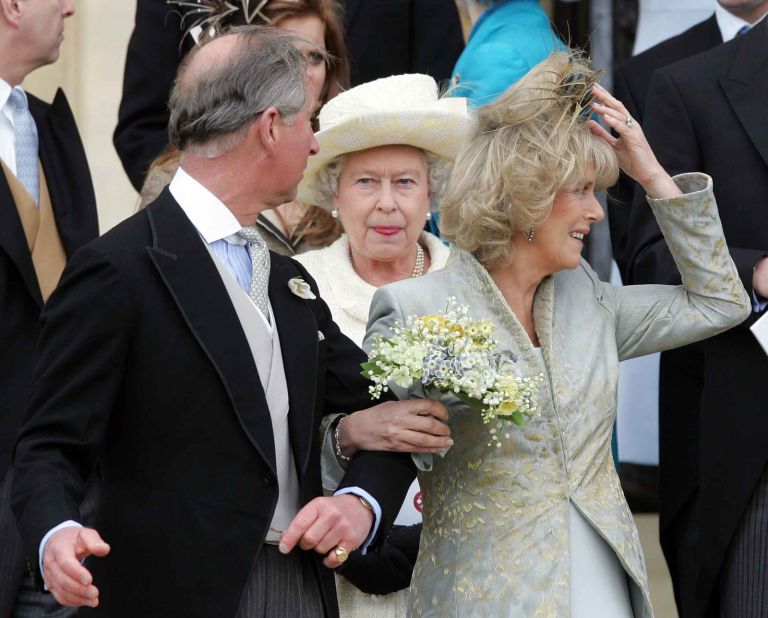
{"x": 496, "y": 537}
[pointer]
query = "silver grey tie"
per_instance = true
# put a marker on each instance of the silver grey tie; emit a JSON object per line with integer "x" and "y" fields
{"x": 25, "y": 133}
{"x": 260, "y": 265}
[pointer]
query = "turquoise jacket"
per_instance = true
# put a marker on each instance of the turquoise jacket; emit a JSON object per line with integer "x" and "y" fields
{"x": 508, "y": 40}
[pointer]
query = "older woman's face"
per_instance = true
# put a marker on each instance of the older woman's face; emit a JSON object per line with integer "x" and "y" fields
{"x": 560, "y": 239}
{"x": 311, "y": 28}
{"x": 383, "y": 199}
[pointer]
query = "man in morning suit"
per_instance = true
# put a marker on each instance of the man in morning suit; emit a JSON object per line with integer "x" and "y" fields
{"x": 193, "y": 369}
{"x": 707, "y": 113}
{"x": 630, "y": 86}
{"x": 47, "y": 211}
{"x": 681, "y": 370}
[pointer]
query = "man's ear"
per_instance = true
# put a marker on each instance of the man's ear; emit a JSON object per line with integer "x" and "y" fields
{"x": 268, "y": 125}
{"x": 12, "y": 10}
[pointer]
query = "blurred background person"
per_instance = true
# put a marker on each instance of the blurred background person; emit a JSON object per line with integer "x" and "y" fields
{"x": 47, "y": 212}
{"x": 392, "y": 37}
{"x": 386, "y": 150}
{"x": 294, "y": 227}
{"x": 505, "y": 40}
{"x": 385, "y": 38}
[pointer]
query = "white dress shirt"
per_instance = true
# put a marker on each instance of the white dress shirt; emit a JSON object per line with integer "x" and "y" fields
{"x": 729, "y": 24}
{"x": 7, "y": 135}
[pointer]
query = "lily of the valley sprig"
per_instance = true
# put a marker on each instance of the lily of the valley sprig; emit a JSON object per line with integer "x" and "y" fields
{"x": 456, "y": 356}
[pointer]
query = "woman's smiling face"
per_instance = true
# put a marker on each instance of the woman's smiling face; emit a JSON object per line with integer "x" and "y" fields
{"x": 560, "y": 239}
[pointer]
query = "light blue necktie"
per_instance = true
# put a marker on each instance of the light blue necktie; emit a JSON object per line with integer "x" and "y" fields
{"x": 743, "y": 30}
{"x": 25, "y": 131}
{"x": 260, "y": 263}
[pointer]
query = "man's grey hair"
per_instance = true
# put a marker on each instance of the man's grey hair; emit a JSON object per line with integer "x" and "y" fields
{"x": 210, "y": 112}
{"x": 327, "y": 179}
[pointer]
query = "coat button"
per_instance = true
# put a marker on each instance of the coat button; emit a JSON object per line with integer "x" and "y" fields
{"x": 269, "y": 479}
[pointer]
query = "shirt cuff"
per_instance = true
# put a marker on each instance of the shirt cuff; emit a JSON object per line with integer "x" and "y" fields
{"x": 376, "y": 512}
{"x": 759, "y": 304}
{"x": 65, "y": 524}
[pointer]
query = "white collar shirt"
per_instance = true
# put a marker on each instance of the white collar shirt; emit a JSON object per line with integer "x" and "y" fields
{"x": 7, "y": 135}
{"x": 218, "y": 228}
{"x": 730, "y": 25}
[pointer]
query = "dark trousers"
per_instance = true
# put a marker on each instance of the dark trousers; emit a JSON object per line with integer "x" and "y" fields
{"x": 743, "y": 582}
{"x": 281, "y": 586}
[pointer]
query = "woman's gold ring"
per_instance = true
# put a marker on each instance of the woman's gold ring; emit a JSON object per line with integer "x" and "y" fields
{"x": 341, "y": 553}
{"x": 629, "y": 122}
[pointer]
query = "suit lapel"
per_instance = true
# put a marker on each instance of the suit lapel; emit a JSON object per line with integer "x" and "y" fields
{"x": 746, "y": 86}
{"x": 14, "y": 242}
{"x": 297, "y": 328}
{"x": 66, "y": 170}
{"x": 195, "y": 285}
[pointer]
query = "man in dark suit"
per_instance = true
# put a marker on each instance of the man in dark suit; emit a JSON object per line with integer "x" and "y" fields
{"x": 706, "y": 113}
{"x": 193, "y": 371}
{"x": 384, "y": 37}
{"x": 402, "y": 36}
{"x": 47, "y": 211}
{"x": 630, "y": 86}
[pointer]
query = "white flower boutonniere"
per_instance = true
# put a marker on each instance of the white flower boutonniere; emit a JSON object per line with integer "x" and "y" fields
{"x": 301, "y": 288}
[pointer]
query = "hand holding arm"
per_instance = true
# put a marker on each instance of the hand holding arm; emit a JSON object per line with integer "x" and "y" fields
{"x": 412, "y": 426}
{"x": 635, "y": 155}
{"x": 67, "y": 579}
{"x": 326, "y": 523}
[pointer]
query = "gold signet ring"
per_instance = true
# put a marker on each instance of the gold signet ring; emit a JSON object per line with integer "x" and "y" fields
{"x": 341, "y": 553}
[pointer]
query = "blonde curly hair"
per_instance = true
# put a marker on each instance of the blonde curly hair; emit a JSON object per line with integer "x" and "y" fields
{"x": 524, "y": 147}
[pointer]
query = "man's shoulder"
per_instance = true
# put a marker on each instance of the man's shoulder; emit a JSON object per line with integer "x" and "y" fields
{"x": 744, "y": 53}
{"x": 130, "y": 234}
{"x": 697, "y": 39}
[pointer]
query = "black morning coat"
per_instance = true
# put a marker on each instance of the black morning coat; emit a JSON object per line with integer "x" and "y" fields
{"x": 707, "y": 113}
{"x": 144, "y": 367}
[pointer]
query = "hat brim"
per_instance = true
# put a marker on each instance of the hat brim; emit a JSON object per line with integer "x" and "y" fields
{"x": 437, "y": 131}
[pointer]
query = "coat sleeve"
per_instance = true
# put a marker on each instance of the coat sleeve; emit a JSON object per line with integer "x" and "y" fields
{"x": 385, "y": 476}
{"x": 81, "y": 355}
{"x": 711, "y": 299}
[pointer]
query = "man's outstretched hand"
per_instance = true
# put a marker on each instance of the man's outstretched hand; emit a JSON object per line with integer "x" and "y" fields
{"x": 67, "y": 579}
{"x": 327, "y": 523}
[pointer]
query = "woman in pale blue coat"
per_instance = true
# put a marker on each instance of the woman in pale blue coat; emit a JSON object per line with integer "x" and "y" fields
{"x": 539, "y": 526}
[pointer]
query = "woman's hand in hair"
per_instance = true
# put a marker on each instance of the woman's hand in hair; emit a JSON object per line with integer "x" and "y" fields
{"x": 635, "y": 155}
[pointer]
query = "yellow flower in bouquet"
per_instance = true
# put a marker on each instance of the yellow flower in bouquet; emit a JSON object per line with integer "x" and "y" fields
{"x": 453, "y": 355}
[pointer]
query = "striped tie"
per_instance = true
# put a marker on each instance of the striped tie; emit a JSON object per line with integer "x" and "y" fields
{"x": 25, "y": 131}
{"x": 260, "y": 268}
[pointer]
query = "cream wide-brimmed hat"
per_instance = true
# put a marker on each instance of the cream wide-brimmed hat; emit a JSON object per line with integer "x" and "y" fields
{"x": 402, "y": 109}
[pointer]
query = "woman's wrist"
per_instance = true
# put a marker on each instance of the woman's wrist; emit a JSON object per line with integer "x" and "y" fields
{"x": 343, "y": 441}
{"x": 660, "y": 186}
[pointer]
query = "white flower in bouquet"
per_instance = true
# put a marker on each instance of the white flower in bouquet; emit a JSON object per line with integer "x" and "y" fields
{"x": 454, "y": 355}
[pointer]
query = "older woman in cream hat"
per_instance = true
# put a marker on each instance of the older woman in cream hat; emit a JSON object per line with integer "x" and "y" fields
{"x": 386, "y": 149}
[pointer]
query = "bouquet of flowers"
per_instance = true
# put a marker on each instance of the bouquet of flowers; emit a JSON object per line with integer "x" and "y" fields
{"x": 453, "y": 355}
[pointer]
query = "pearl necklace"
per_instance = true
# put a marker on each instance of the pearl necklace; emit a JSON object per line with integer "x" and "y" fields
{"x": 418, "y": 267}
